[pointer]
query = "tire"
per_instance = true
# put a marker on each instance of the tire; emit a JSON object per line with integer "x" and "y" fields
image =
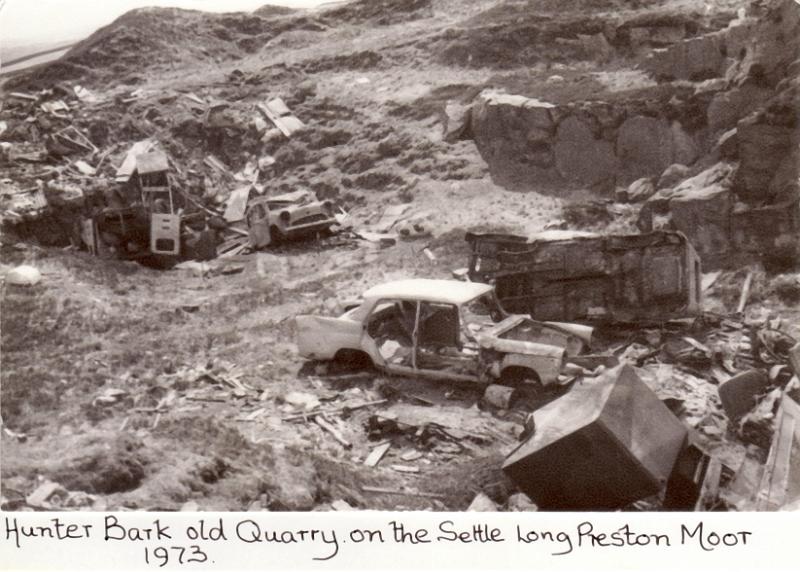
{"x": 275, "y": 235}
{"x": 346, "y": 361}
{"x": 526, "y": 381}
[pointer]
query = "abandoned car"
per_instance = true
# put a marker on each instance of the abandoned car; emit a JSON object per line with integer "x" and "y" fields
{"x": 443, "y": 329}
{"x": 287, "y": 217}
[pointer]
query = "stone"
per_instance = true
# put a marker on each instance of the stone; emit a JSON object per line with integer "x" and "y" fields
{"x": 672, "y": 175}
{"x": 684, "y": 148}
{"x": 704, "y": 216}
{"x": 728, "y": 107}
{"x": 738, "y": 395}
{"x": 696, "y": 58}
{"x": 579, "y": 156}
{"x": 728, "y": 144}
{"x": 785, "y": 184}
{"x": 519, "y": 502}
{"x": 596, "y": 46}
{"x": 46, "y": 493}
{"x": 482, "y": 503}
{"x": 761, "y": 148}
{"x": 644, "y": 147}
{"x": 640, "y": 190}
{"x": 457, "y": 116}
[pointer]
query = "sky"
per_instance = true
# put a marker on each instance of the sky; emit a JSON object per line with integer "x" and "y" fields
{"x": 53, "y": 21}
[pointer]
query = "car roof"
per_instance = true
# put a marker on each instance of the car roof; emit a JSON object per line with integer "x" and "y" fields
{"x": 424, "y": 289}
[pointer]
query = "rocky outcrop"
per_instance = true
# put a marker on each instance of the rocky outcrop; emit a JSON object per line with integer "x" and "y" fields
{"x": 733, "y": 141}
{"x": 526, "y": 141}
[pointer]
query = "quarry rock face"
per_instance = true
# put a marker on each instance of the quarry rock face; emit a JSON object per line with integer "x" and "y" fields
{"x": 735, "y": 143}
{"x": 525, "y": 141}
{"x": 761, "y": 149}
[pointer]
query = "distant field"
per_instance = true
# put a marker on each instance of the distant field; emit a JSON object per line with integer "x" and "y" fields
{"x": 16, "y": 57}
{"x": 32, "y": 60}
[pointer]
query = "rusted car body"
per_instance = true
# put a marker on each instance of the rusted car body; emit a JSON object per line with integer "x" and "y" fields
{"x": 287, "y": 217}
{"x": 443, "y": 329}
{"x": 585, "y": 277}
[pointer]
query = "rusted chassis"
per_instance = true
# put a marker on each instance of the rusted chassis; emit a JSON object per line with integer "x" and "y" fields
{"x": 626, "y": 278}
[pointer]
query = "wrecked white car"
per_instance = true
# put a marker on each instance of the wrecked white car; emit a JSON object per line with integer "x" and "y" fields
{"x": 443, "y": 329}
{"x": 287, "y": 217}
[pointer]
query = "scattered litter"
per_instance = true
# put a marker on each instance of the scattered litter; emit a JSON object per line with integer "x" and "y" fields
{"x": 404, "y": 469}
{"x": 377, "y": 454}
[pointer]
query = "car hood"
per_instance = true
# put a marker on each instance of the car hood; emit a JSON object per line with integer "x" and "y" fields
{"x": 521, "y": 334}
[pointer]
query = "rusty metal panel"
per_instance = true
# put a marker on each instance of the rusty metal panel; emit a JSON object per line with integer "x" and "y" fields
{"x": 606, "y": 443}
{"x": 612, "y": 278}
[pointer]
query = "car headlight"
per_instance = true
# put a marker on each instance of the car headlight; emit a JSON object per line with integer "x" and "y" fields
{"x": 285, "y": 217}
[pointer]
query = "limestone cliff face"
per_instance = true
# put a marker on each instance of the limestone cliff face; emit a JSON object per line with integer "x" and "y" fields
{"x": 526, "y": 141}
{"x": 735, "y": 134}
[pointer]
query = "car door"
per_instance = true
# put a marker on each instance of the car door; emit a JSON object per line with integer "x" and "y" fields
{"x": 440, "y": 348}
{"x": 389, "y": 334}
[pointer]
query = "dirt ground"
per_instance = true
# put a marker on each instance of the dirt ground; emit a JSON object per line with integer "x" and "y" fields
{"x": 142, "y": 388}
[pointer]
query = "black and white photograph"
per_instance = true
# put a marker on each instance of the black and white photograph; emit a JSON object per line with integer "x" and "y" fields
{"x": 451, "y": 256}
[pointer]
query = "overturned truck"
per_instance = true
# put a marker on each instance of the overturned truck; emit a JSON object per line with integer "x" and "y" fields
{"x": 558, "y": 275}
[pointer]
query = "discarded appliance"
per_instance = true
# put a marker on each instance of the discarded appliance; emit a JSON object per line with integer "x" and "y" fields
{"x": 287, "y": 217}
{"x": 558, "y": 275}
{"x": 443, "y": 329}
{"x": 281, "y": 116}
{"x": 605, "y": 444}
{"x": 143, "y": 216}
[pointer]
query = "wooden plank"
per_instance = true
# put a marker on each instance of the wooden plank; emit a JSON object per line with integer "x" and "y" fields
{"x": 333, "y": 431}
{"x": 710, "y": 487}
{"x": 745, "y": 293}
{"x": 785, "y": 444}
{"x": 385, "y": 491}
{"x": 377, "y": 454}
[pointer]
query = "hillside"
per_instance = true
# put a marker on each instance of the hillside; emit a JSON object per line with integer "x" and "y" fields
{"x": 140, "y": 388}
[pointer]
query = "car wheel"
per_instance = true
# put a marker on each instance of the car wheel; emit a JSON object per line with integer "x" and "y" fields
{"x": 524, "y": 380}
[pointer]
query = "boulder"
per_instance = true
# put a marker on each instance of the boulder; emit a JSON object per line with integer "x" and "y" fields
{"x": 703, "y": 214}
{"x": 457, "y": 116}
{"x": 514, "y": 136}
{"x": 774, "y": 45}
{"x": 728, "y": 107}
{"x": 482, "y": 503}
{"x": 696, "y": 58}
{"x": 728, "y": 145}
{"x": 580, "y": 156}
{"x": 640, "y": 190}
{"x": 672, "y": 175}
{"x": 596, "y": 46}
{"x": 761, "y": 149}
{"x": 684, "y": 148}
{"x": 644, "y": 147}
{"x": 785, "y": 184}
